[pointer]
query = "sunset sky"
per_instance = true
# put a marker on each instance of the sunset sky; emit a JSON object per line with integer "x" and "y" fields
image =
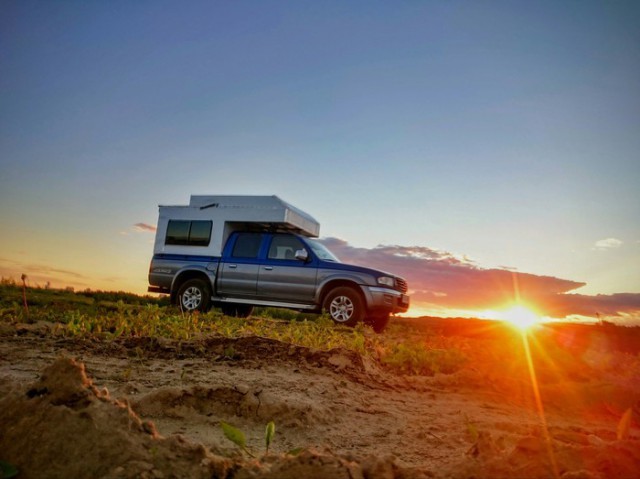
{"x": 469, "y": 146}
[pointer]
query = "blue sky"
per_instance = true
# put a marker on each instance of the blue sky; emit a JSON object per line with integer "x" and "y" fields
{"x": 503, "y": 132}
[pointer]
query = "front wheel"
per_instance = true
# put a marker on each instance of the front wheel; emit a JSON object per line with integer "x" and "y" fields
{"x": 194, "y": 295}
{"x": 345, "y": 306}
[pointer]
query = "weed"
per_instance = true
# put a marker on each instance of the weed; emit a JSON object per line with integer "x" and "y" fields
{"x": 269, "y": 432}
{"x": 236, "y": 436}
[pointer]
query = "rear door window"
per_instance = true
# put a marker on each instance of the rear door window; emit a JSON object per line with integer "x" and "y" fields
{"x": 247, "y": 245}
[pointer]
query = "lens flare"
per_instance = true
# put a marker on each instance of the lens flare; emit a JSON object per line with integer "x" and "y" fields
{"x": 520, "y": 317}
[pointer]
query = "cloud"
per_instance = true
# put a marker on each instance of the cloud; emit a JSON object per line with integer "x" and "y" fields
{"x": 441, "y": 279}
{"x": 40, "y": 274}
{"x": 38, "y": 269}
{"x": 617, "y": 304}
{"x": 606, "y": 244}
{"x": 144, "y": 227}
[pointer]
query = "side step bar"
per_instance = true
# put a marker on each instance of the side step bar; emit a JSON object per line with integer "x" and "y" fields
{"x": 274, "y": 304}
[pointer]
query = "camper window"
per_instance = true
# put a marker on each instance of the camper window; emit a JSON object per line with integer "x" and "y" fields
{"x": 188, "y": 233}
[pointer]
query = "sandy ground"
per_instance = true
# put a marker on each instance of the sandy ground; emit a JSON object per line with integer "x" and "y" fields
{"x": 149, "y": 408}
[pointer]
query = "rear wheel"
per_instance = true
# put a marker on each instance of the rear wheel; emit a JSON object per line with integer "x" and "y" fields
{"x": 345, "y": 306}
{"x": 194, "y": 295}
{"x": 237, "y": 310}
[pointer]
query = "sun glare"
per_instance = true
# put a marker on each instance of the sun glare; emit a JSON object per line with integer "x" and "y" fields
{"x": 521, "y": 317}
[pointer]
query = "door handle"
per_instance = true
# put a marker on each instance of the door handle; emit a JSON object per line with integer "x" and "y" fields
{"x": 233, "y": 266}
{"x": 268, "y": 268}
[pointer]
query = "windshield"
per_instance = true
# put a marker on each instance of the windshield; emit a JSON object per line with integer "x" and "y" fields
{"x": 322, "y": 252}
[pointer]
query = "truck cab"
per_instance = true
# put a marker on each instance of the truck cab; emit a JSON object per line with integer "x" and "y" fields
{"x": 266, "y": 263}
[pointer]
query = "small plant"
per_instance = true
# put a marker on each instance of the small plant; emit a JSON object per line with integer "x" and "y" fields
{"x": 237, "y": 437}
{"x": 269, "y": 432}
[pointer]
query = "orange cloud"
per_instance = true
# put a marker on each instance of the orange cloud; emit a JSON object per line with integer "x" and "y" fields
{"x": 441, "y": 279}
{"x": 144, "y": 227}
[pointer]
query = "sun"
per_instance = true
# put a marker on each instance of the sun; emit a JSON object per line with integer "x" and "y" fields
{"x": 521, "y": 317}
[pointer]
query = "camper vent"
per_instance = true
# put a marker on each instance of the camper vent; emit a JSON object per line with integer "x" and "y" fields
{"x": 212, "y": 205}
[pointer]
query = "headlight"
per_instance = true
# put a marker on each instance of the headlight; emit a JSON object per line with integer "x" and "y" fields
{"x": 386, "y": 281}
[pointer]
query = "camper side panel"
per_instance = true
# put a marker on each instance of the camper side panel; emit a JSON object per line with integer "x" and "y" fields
{"x": 188, "y": 231}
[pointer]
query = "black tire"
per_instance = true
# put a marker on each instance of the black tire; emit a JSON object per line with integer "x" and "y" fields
{"x": 194, "y": 295}
{"x": 378, "y": 322}
{"x": 345, "y": 306}
{"x": 237, "y": 310}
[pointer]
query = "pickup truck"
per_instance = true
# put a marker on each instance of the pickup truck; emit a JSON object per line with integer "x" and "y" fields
{"x": 266, "y": 264}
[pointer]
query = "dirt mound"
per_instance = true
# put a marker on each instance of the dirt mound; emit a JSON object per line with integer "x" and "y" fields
{"x": 254, "y": 350}
{"x": 215, "y": 404}
{"x": 63, "y": 426}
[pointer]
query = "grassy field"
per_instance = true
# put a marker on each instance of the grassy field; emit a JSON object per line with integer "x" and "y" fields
{"x": 112, "y": 315}
{"x": 412, "y": 346}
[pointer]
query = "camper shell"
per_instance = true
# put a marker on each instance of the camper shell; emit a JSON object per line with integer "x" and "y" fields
{"x": 233, "y": 213}
{"x": 237, "y": 252}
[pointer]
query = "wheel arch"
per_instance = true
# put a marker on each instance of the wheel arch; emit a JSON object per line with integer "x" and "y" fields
{"x": 186, "y": 275}
{"x": 337, "y": 283}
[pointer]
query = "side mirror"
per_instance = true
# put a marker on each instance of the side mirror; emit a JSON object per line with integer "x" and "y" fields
{"x": 302, "y": 255}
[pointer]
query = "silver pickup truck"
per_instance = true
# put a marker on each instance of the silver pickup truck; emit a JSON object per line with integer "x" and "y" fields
{"x": 267, "y": 256}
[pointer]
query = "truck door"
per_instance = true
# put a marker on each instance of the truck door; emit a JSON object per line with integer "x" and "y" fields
{"x": 238, "y": 274}
{"x": 282, "y": 276}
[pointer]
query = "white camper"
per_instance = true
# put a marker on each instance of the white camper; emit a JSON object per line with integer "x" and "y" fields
{"x": 219, "y": 216}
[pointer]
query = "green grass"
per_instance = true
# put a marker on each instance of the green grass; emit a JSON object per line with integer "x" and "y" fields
{"x": 113, "y": 315}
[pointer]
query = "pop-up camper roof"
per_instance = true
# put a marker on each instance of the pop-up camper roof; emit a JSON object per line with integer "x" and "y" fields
{"x": 267, "y": 211}
{"x": 233, "y": 213}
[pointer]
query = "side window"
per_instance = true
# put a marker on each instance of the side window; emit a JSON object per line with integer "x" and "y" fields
{"x": 188, "y": 233}
{"x": 247, "y": 245}
{"x": 200, "y": 233}
{"x": 178, "y": 232}
{"x": 284, "y": 247}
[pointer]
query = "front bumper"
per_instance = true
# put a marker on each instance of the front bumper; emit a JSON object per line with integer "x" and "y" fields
{"x": 389, "y": 300}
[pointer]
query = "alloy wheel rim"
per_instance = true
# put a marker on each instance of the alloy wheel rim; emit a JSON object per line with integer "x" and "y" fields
{"x": 191, "y": 298}
{"x": 341, "y": 309}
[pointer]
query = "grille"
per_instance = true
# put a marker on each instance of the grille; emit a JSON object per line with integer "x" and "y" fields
{"x": 401, "y": 285}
